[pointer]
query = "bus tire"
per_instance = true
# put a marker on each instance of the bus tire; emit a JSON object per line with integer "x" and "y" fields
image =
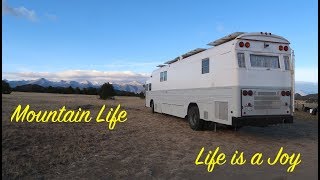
{"x": 152, "y": 106}
{"x": 314, "y": 111}
{"x": 194, "y": 118}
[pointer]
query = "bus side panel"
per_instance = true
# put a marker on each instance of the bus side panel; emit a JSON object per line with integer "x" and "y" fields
{"x": 215, "y": 104}
{"x": 148, "y": 99}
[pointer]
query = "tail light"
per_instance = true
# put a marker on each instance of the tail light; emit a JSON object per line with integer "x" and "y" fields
{"x": 286, "y": 48}
{"x": 283, "y": 93}
{"x": 288, "y": 93}
{"x": 241, "y": 44}
{"x": 247, "y": 44}
{"x": 280, "y": 48}
{"x": 244, "y": 92}
{"x": 250, "y": 93}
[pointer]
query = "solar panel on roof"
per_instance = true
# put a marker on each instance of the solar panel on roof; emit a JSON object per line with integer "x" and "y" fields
{"x": 198, "y": 50}
{"x": 225, "y": 39}
{"x": 172, "y": 61}
{"x": 193, "y": 52}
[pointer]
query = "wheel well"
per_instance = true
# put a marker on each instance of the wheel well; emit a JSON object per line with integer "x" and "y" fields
{"x": 189, "y": 106}
{"x": 192, "y": 104}
{"x": 151, "y": 102}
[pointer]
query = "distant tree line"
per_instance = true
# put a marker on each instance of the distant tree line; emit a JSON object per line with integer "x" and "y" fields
{"x": 6, "y": 89}
{"x": 105, "y": 91}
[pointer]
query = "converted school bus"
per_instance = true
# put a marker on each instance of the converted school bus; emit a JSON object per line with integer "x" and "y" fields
{"x": 244, "y": 79}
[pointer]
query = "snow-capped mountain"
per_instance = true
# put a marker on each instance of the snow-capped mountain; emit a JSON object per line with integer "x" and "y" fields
{"x": 305, "y": 88}
{"x": 46, "y": 83}
{"x": 129, "y": 88}
{"x": 133, "y": 86}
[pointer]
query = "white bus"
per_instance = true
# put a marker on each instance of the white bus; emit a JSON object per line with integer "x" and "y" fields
{"x": 243, "y": 79}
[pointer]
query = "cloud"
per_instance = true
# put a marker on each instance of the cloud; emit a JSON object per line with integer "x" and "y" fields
{"x": 18, "y": 11}
{"x": 80, "y": 76}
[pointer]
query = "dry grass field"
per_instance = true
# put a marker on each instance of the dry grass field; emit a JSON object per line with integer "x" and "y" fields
{"x": 146, "y": 146}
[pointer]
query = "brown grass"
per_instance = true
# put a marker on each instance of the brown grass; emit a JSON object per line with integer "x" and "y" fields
{"x": 146, "y": 146}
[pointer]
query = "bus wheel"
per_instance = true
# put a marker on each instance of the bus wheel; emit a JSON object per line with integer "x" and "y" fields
{"x": 194, "y": 118}
{"x": 152, "y": 106}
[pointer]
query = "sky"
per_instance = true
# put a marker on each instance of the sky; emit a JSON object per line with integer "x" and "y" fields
{"x": 89, "y": 40}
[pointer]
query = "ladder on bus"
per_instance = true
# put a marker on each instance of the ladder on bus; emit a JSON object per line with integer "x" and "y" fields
{"x": 292, "y": 78}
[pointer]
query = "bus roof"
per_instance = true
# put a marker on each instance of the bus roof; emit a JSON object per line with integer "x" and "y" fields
{"x": 256, "y": 36}
{"x": 249, "y": 36}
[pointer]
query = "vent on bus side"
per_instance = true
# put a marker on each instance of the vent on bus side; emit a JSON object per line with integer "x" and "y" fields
{"x": 221, "y": 110}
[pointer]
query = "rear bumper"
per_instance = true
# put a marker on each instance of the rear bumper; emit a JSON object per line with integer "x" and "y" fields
{"x": 261, "y": 120}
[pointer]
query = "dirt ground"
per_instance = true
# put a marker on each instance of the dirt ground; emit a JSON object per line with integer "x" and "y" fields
{"x": 146, "y": 146}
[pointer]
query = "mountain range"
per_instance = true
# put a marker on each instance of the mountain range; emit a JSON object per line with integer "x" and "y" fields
{"x": 303, "y": 88}
{"x": 133, "y": 86}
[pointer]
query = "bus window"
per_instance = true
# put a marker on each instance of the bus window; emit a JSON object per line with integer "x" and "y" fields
{"x": 165, "y": 76}
{"x": 263, "y": 61}
{"x": 286, "y": 62}
{"x": 241, "y": 60}
{"x": 205, "y": 65}
{"x": 161, "y": 76}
